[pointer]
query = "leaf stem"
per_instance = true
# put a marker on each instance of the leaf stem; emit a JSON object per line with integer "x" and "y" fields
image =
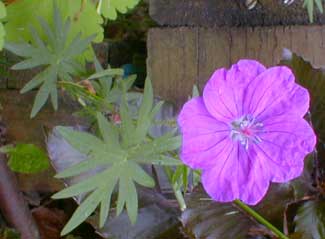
{"x": 178, "y": 193}
{"x": 260, "y": 219}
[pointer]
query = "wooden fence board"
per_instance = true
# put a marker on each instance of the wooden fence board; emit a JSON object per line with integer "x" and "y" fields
{"x": 173, "y": 60}
{"x": 181, "y": 57}
{"x": 212, "y": 13}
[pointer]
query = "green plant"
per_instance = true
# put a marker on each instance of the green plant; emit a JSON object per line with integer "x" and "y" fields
{"x": 109, "y": 8}
{"x": 58, "y": 40}
{"x": 119, "y": 151}
{"x": 309, "y": 5}
{"x": 83, "y": 17}
{"x": 56, "y": 54}
{"x": 3, "y": 14}
{"x": 26, "y": 158}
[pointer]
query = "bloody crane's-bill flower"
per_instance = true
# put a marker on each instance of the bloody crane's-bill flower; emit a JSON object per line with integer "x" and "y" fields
{"x": 246, "y": 131}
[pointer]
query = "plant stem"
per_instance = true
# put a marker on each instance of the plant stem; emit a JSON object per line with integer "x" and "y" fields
{"x": 178, "y": 193}
{"x": 260, "y": 219}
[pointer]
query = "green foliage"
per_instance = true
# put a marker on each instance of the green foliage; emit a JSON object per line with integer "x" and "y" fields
{"x": 195, "y": 91}
{"x": 26, "y": 158}
{"x": 8, "y": 233}
{"x": 310, "y": 220}
{"x": 184, "y": 176}
{"x": 119, "y": 151}
{"x": 55, "y": 54}
{"x": 25, "y": 13}
{"x": 107, "y": 87}
{"x": 109, "y": 8}
{"x": 3, "y": 14}
{"x": 309, "y": 4}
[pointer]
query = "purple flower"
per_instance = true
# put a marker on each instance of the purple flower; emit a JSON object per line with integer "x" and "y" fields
{"x": 247, "y": 131}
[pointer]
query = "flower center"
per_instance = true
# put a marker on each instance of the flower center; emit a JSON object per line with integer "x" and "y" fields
{"x": 245, "y": 130}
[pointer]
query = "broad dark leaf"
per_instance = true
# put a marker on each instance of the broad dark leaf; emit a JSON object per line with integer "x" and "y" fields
{"x": 314, "y": 80}
{"x": 152, "y": 222}
{"x": 310, "y": 220}
{"x": 205, "y": 218}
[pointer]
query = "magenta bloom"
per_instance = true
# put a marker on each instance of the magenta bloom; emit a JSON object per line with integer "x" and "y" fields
{"x": 247, "y": 131}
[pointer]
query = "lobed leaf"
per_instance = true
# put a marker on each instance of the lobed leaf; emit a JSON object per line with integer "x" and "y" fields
{"x": 104, "y": 73}
{"x": 27, "y": 158}
{"x": 117, "y": 156}
{"x": 54, "y": 51}
{"x": 109, "y": 8}
{"x": 83, "y": 211}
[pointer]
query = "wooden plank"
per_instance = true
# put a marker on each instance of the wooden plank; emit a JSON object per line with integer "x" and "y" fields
{"x": 172, "y": 62}
{"x": 212, "y": 13}
{"x": 181, "y": 57}
{"x": 216, "y": 42}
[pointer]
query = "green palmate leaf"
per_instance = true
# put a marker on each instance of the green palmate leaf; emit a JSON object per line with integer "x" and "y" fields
{"x": 108, "y": 130}
{"x": 83, "y": 211}
{"x": 27, "y": 158}
{"x": 181, "y": 176}
{"x": 145, "y": 117}
{"x": 310, "y": 220}
{"x": 108, "y": 72}
{"x": 105, "y": 83}
{"x": 109, "y": 8}
{"x": 86, "y": 142}
{"x": 23, "y": 13}
{"x": 319, "y": 5}
{"x": 127, "y": 127}
{"x": 55, "y": 53}
{"x": 309, "y": 5}
{"x": 108, "y": 86}
{"x": 118, "y": 156}
{"x": 3, "y": 13}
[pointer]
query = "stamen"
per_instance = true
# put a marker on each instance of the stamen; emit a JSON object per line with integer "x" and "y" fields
{"x": 246, "y": 130}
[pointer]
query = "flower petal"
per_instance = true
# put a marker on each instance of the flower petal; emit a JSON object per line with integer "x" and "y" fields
{"x": 244, "y": 71}
{"x": 218, "y": 97}
{"x": 224, "y": 92}
{"x": 239, "y": 75}
{"x": 240, "y": 175}
{"x": 274, "y": 92}
{"x": 286, "y": 141}
{"x": 279, "y": 173}
{"x": 203, "y": 137}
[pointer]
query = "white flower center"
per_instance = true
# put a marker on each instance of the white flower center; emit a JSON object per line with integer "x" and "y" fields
{"x": 245, "y": 130}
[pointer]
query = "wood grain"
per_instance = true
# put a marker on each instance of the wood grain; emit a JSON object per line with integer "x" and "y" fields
{"x": 173, "y": 62}
{"x": 181, "y": 57}
{"x": 212, "y": 13}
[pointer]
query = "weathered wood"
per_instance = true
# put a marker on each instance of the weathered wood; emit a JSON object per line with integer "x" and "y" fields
{"x": 212, "y": 13}
{"x": 173, "y": 61}
{"x": 181, "y": 57}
